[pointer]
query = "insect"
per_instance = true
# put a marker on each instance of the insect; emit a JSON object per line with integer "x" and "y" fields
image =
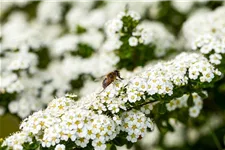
{"x": 110, "y": 77}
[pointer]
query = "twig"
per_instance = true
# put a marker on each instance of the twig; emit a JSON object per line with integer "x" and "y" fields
{"x": 142, "y": 104}
{"x": 215, "y": 139}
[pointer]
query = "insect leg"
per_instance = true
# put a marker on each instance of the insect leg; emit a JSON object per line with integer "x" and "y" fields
{"x": 101, "y": 91}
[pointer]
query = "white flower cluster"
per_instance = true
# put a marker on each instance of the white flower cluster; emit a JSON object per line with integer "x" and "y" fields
{"x": 7, "y": 5}
{"x": 98, "y": 118}
{"x": 21, "y": 33}
{"x": 145, "y": 33}
{"x": 177, "y": 103}
{"x": 65, "y": 119}
{"x": 157, "y": 79}
{"x": 27, "y": 100}
{"x": 205, "y": 31}
{"x": 49, "y": 12}
{"x": 16, "y": 140}
{"x": 202, "y": 23}
{"x": 212, "y": 46}
{"x": 113, "y": 29}
{"x": 135, "y": 124}
{"x": 181, "y": 102}
{"x": 69, "y": 42}
{"x": 20, "y": 73}
{"x": 183, "y": 7}
{"x": 10, "y": 84}
{"x": 96, "y": 18}
{"x": 35, "y": 86}
{"x": 194, "y": 111}
{"x": 157, "y": 33}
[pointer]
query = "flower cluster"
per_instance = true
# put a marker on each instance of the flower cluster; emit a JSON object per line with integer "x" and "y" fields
{"x": 67, "y": 120}
{"x": 101, "y": 117}
{"x": 208, "y": 24}
{"x": 127, "y": 24}
{"x": 74, "y": 41}
{"x": 135, "y": 42}
{"x": 209, "y": 39}
{"x": 211, "y": 46}
{"x": 17, "y": 140}
{"x": 135, "y": 124}
{"x": 124, "y": 23}
{"x": 182, "y": 101}
{"x": 157, "y": 33}
{"x": 155, "y": 80}
{"x": 29, "y": 66}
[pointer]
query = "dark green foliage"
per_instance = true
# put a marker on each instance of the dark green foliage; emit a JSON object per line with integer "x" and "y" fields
{"x": 80, "y": 29}
{"x": 6, "y": 98}
{"x": 30, "y": 9}
{"x": 131, "y": 57}
{"x": 43, "y": 57}
{"x": 83, "y": 50}
{"x": 79, "y": 82}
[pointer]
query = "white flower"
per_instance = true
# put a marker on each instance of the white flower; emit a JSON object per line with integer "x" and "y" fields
{"x": 147, "y": 108}
{"x": 183, "y": 7}
{"x": 99, "y": 145}
{"x": 155, "y": 32}
{"x": 206, "y": 49}
{"x": 82, "y": 142}
{"x": 133, "y": 41}
{"x": 219, "y": 47}
{"x": 132, "y": 97}
{"x": 194, "y": 111}
{"x": 13, "y": 106}
{"x": 204, "y": 23}
{"x": 17, "y": 147}
{"x": 111, "y": 44}
{"x": 136, "y": 83}
{"x": 113, "y": 26}
{"x": 215, "y": 58}
{"x": 134, "y": 15}
{"x": 193, "y": 73}
{"x": 171, "y": 105}
{"x": 49, "y": 12}
{"x": 146, "y": 36}
{"x": 2, "y": 110}
{"x": 207, "y": 77}
{"x": 60, "y": 147}
{"x": 64, "y": 44}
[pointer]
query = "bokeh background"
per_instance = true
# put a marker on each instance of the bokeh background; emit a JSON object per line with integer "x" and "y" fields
{"x": 51, "y": 48}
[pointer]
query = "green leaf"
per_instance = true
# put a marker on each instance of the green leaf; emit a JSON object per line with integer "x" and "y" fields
{"x": 162, "y": 108}
{"x": 119, "y": 141}
{"x": 129, "y": 145}
{"x": 80, "y": 29}
{"x": 190, "y": 101}
{"x": 113, "y": 147}
{"x": 170, "y": 127}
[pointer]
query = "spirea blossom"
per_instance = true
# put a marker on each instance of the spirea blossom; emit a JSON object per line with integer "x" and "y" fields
{"x": 21, "y": 33}
{"x": 49, "y": 12}
{"x": 145, "y": 32}
{"x": 211, "y": 46}
{"x": 181, "y": 102}
{"x": 204, "y": 22}
{"x": 155, "y": 32}
{"x": 102, "y": 116}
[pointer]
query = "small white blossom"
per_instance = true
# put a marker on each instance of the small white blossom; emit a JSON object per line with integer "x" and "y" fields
{"x": 194, "y": 111}
{"x": 60, "y": 147}
{"x": 133, "y": 41}
{"x": 215, "y": 58}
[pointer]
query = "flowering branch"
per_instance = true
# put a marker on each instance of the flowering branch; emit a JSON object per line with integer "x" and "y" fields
{"x": 153, "y": 101}
{"x": 97, "y": 120}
